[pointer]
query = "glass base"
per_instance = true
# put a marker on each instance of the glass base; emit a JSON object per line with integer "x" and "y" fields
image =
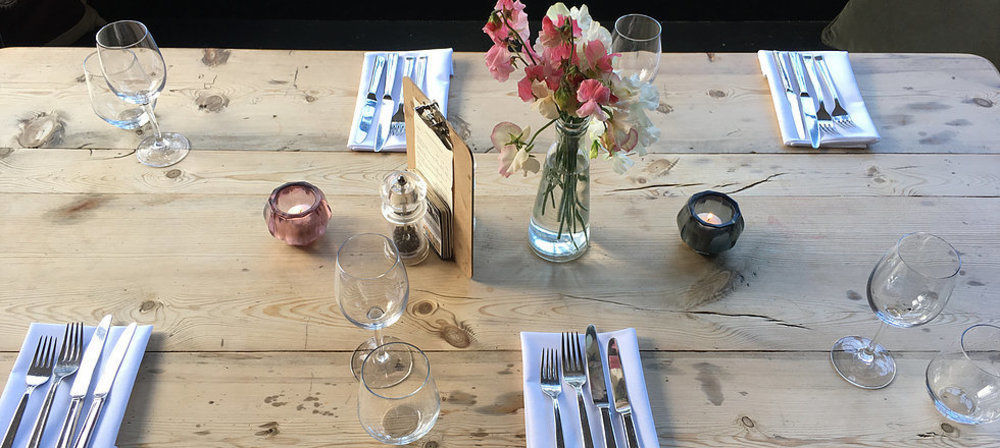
{"x": 866, "y": 370}
{"x": 400, "y": 366}
{"x": 172, "y": 148}
{"x": 550, "y": 246}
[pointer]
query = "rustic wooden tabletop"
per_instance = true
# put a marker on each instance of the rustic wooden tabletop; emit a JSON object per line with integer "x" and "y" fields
{"x": 250, "y": 348}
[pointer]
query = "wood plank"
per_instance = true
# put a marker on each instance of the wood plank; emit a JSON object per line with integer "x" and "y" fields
{"x": 699, "y": 400}
{"x": 655, "y": 175}
{"x": 203, "y": 269}
{"x": 303, "y": 100}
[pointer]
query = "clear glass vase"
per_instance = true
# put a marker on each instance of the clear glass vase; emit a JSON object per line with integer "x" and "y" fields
{"x": 560, "y": 221}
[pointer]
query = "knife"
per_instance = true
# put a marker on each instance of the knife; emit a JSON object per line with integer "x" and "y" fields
{"x": 81, "y": 384}
{"x": 104, "y": 382}
{"x": 388, "y": 104}
{"x": 421, "y": 72}
{"x": 620, "y": 391}
{"x": 794, "y": 102}
{"x": 807, "y": 97}
{"x": 371, "y": 100}
{"x": 598, "y": 388}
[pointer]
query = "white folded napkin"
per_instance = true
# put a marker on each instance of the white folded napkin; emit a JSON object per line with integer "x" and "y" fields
{"x": 538, "y": 418}
{"x": 436, "y": 82}
{"x": 859, "y": 136}
{"x": 114, "y": 406}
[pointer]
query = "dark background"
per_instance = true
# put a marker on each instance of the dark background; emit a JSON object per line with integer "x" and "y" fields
{"x": 706, "y": 25}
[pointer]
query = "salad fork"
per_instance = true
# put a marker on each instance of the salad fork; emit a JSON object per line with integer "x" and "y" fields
{"x": 840, "y": 115}
{"x": 38, "y": 374}
{"x": 575, "y": 373}
{"x": 67, "y": 364}
{"x": 552, "y": 386}
{"x": 398, "y": 119}
{"x": 823, "y": 117}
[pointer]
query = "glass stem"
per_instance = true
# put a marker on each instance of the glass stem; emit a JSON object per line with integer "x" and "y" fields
{"x": 378, "y": 337}
{"x": 870, "y": 349}
{"x": 148, "y": 107}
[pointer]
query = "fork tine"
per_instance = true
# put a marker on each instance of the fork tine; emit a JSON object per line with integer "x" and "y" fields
{"x": 38, "y": 351}
{"x": 64, "y": 347}
{"x": 52, "y": 353}
{"x": 579, "y": 353}
{"x": 77, "y": 341}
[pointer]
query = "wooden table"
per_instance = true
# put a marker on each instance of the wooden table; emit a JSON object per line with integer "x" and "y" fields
{"x": 250, "y": 347}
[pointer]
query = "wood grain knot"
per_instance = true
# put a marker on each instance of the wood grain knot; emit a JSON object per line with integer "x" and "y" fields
{"x": 214, "y": 56}
{"x": 946, "y": 427}
{"x": 664, "y": 108}
{"x": 981, "y": 102}
{"x": 431, "y": 444}
{"x": 172, "y": 174}
{"x": 424, "y": 307}
{"x": 268, "y": 430}
{"x": 715, "y": 93}
{"x": 41, "y": 129}
{"x": 149, "y": 305}
{"x": 747, "y": 421}
{"x": 457, "y": 337}
{"x": 211, "y": 102}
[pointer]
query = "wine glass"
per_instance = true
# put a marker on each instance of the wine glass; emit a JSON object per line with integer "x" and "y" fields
{"x": 637, "y": 38}
{"x": 106, "y": 104}
{"x": 397, "y": 412}
{"x": 909, "y": 286}
{"x": 964, "y": 381}
{"x": 372, "y": 289}
{"x": 135, "y": 71}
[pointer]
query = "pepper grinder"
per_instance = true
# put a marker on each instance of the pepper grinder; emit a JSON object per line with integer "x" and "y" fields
{"x": 404, "y": 203}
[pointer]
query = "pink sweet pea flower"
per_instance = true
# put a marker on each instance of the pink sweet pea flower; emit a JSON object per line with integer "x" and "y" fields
{"x": 498, "y": 60}
{"x": 619, "y": 137}
{"x": 592, "y": 94}
{"x": 597, "y": 56}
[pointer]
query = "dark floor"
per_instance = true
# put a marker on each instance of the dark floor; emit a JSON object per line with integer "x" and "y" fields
{"x": 461, "y": 35}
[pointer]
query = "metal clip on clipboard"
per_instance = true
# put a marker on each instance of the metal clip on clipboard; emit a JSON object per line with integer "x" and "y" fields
{"x": 431, "y": 114}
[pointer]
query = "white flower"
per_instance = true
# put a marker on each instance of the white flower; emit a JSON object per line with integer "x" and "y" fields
{"x": 524, "y": 162}
{"x": 590, "y": 29}
{"x": 621, "y": 163}
{"x": 557, "y": 9}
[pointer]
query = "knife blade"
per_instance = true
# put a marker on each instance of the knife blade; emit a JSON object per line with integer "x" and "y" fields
{"x": 371, "y": 100}
{"x": 794, "y": 102}
{"x": 598, "y": 387}
{"x": 104, "y": 383}
{"x": 388, "y": 104}
{"x": 81, "y": 383}
{"x": 808, "y": 98}
{"x": 619, "y": 391}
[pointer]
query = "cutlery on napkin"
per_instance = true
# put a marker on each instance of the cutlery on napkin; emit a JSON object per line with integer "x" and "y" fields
{"x": 117, "y": 401}
{"x": 437, "y": 80}
{"x": 862, "y": 134}
{"x": 539, "y": 425}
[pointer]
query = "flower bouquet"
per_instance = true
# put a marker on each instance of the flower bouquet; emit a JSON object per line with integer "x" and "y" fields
{"x": 568, "y": 77}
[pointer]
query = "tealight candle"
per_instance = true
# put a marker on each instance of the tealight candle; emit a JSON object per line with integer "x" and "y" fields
{"x": 297, "y": 213}
{"x": 710, "y": 222}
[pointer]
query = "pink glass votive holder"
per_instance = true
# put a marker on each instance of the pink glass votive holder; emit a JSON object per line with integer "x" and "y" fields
{"x": 297, "y": 213}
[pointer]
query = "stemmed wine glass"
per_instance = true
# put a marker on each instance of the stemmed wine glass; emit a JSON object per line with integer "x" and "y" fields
{"x": 372, "y": 289}
{"x": 393, "y": 411}
{"x": 135, "y": 71}
{"x": 637, "y": 38}
{"x": 909, "y": 286}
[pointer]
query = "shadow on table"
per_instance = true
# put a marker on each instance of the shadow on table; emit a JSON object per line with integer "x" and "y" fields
{"x": 140, "y": 403}
{"x": 656, "y": 391}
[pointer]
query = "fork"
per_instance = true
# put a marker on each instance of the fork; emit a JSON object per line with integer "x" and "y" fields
{"x": 552, "y": 386}
{"x": 840, "y": 115}
{"x": 38, "y": 374}
{"x": 398, "y": 123}
{"x": 67, "y": 364}
{"x": 823, "y": 117}
{"x": 575, "y": 373}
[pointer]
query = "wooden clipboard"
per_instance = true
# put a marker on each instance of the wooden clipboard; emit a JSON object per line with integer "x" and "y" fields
{"x": 429, "y": 145}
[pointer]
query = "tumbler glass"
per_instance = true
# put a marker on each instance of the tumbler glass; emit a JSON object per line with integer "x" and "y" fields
{"x": 964, "y": 381}
{"x": 108, "y": 105}
{"x": 397, "y": 412}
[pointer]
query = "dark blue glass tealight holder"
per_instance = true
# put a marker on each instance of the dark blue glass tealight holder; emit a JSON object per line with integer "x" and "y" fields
{"x": 710, "y": 222}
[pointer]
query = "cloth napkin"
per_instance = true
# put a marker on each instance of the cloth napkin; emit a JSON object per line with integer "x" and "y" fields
{"x": 538, "y": 418}
{"x": 436, "y": 82}
{"x": 859, "y": 136}
{"x": 114, "y": 406}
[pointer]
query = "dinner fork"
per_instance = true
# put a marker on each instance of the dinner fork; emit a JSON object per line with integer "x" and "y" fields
{"x": 38, "y": 374}
{"x": 552, "y": 386}
{"x": 398, "y": 119}
{"x": 67, "y": 364}
{"x": 840, "y": 115}
{"x": 575, "y": 373}
{"x": 823, "y": 117}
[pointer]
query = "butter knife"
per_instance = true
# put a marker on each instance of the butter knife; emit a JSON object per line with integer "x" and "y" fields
{"x": 81, "y": 384}
{"x": 598, "y": 387}
{"x": 794, "y": 102}
{"x": 808, "y": 97}
{"x": 388, "y": 104}
{"x": 104, "y": 383}
{"x": 620, "y": 391}
{"x": 371, "y": 100}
